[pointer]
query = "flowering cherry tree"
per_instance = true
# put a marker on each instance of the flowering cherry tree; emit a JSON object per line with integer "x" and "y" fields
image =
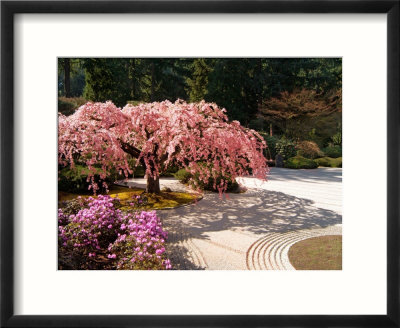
{"x": 160, "y": 134}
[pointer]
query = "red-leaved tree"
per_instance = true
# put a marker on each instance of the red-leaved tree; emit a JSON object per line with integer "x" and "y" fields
{"x": 157, "y": 135}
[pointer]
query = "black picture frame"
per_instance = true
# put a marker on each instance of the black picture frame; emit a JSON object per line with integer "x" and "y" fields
{"x": 9, "y": 8}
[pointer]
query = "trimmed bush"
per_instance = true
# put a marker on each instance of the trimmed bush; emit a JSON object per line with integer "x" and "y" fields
{"x": 185, "y": 177}
{"x": 75, "y": 180}
{"x": 333, "y": 151}
{"x": 300, "y": 162}
{"x": 138, "y": 171}
{"x": 134, "y": 102}
{"x": 286, "y": 148}
{"x": 170, "y": 172}
{"x": 67, "y": 106}
{"x": 271, "y": 163}
{"x": 337, "y": 138}
{"x": 308, "y": 149}
{"x": 323, "y": 161}
{"x": 271, "y": 141}
{"x": 329, "y": 161}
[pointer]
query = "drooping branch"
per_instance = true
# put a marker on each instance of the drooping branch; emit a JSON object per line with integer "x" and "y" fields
{"x": 129, "y": 149}
{"x": 196, "y": 136}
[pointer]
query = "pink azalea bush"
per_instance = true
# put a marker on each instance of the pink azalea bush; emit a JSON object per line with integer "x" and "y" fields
{"x": 144, "y": 235}
{"x": 101, "y": 135}
{"x": 95, "y": 234}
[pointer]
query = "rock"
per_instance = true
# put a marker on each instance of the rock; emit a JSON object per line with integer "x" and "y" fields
{"x": 278, "y": 160}
{"x": 166, "y": 189}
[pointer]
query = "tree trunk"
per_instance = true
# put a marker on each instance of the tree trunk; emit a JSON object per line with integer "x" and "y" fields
{"x": 132, "y": 77}
{"x": 260, "y": 86}
{"x": 153, "y": 185}
{"x": 67, "y": 73}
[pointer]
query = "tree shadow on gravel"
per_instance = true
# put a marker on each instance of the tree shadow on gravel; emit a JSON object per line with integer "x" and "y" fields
{"x": 177, "y": 252}
{"x": 179, "y": 257}
{"x": 256, "y": 211}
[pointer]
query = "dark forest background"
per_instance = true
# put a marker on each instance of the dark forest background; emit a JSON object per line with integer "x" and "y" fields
{"x": 293, "y": 98}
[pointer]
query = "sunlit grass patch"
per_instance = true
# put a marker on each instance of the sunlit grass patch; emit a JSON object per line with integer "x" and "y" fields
{"x": 318, "y": 253}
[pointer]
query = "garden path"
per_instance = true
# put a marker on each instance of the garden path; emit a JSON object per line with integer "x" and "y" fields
{"x": 254, "y": 230}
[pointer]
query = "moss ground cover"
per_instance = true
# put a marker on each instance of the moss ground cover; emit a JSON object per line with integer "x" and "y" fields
{"x": 153, "y": 201}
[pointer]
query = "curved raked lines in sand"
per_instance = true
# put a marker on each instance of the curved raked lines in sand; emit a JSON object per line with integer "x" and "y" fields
{"x": 197, "y": 256}
{"x": 271, "y": 251}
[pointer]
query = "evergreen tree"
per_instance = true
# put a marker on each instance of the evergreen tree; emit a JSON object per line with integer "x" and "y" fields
{"x": 107, "y": 79}
{"x": 233, "y": 84}
{"x": 71, "y": 77}
{"x": 241, "y": 85}
{"x": 197, "y": 84}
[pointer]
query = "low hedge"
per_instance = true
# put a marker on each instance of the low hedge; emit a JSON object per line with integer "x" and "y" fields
{"x": 74, "y": 180}
{"x": 170, "y": 172}
{"x": 138, "y": 171}
{"x": 67, "y": 106}
{"x": 184, "y": 177}
{"x": 285, "y": 147}
{"x": 308, "y": 149}
{"x": 329, "y": 161}
{"x": 300, "y": 162}
{"x": 333, "y": 151}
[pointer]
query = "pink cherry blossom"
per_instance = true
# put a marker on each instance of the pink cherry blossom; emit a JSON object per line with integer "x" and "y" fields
{"x": 159, "y": 134}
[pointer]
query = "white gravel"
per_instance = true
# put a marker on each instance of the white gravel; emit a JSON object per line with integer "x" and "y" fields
{"x": 253, "y": 230}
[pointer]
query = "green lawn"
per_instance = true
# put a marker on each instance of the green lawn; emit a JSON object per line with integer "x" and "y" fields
{"x": 318, "y": 253}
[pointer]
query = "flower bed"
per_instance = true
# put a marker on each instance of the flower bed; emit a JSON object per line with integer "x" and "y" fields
{"x": 95, "y": 234}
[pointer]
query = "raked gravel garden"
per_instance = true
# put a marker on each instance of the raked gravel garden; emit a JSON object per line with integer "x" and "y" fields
{"x": 255, "y": 229}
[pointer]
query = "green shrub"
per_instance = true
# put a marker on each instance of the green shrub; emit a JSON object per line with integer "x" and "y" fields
{"x": 271, "y": 142}
{"x": 138, "y": 171}
{"x": 270, "y": 151}
{"x": 232, "y": 184}
{"x": 285, "y": 147}
{"x": 184, "y": 176}
{"x": 134, "y": 102}
{"x": 333, "y": 151}
{"x": 337, "y": 138}
{"x": 67, "y": 106}
{"x": 271, "y": 163}
{"x": 323, "y": 161}
{"x": 300, "y": 162}
{"x": 75, "y": 180}
{"x": 308, "y": 149}
{"x": 171, "y": 170}
{"x": 329, "y": 162}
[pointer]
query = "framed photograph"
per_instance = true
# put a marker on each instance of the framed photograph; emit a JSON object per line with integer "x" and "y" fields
{"x": 199, "y": 163}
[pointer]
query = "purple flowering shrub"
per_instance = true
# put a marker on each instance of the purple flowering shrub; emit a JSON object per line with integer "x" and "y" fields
{"x": 95, "y": 234}
{"x": 141, "y": 245}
